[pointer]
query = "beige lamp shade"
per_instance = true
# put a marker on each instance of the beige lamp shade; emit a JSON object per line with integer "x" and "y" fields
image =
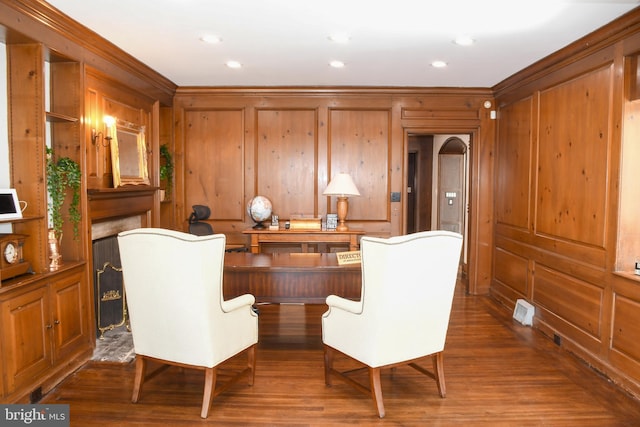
{"x": 341, "y": 185}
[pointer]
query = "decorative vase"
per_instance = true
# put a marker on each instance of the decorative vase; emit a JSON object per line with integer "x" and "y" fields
{"x": 54, "y": 251}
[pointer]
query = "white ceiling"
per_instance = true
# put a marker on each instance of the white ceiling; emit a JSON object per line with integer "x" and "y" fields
{"x": 392, "y": 43}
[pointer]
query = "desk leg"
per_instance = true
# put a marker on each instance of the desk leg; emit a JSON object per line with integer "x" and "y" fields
{"x": 353, "y": 243}
{"x": 255, "y": 244}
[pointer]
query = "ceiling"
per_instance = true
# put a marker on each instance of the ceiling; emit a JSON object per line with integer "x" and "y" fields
{"x": 391, "y": 43}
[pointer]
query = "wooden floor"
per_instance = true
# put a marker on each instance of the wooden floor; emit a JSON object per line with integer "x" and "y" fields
{"x": 498, "y": 373}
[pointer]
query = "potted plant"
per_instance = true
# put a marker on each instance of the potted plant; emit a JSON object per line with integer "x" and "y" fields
{"x": 166, "y": 168}
{"x": 63, "y": 174}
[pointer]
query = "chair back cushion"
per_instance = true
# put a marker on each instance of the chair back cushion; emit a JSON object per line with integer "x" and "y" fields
{"x": 173, "y": 289}
{"x": 408, "y": 284}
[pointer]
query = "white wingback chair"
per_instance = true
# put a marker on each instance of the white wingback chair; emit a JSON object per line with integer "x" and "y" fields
{"x": 408, "y": 284}
{"x": 173, "y": 285}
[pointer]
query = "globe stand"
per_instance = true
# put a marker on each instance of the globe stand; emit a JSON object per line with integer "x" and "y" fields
{"x": 259, "y": 226}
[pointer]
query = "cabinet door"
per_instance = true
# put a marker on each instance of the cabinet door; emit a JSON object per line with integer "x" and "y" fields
{"x": 25, "y": 337}
{"x": 70, "y": 330}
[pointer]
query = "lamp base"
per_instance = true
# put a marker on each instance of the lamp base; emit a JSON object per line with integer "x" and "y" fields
{"x": 343, "y": 208}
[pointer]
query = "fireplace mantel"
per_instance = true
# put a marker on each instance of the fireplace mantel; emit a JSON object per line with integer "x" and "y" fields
{"x": 109, "y": 203}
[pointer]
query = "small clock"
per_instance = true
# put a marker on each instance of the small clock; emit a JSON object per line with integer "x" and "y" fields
{"x": 12, "y": 262}
{"x": 11, "y": 254}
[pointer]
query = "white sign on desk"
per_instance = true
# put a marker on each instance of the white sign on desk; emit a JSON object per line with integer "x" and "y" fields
{"x": 351, "y": 257}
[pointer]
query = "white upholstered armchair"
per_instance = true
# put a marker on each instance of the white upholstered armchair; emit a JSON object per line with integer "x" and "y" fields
{"x": 173, "y": 284}
{"x": 408, "y": 284}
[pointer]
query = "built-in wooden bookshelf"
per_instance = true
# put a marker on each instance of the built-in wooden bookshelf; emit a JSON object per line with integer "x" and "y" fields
{"x": 46, "y": 314}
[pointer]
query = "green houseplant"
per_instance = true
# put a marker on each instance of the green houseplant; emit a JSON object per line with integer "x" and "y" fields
{"x": 166, "y": 167}
{"x": 63, "y": 174}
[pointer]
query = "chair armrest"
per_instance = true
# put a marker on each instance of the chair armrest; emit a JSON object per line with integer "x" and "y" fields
{"x": 344, "y": 304}
{"x": 238, "y": 302}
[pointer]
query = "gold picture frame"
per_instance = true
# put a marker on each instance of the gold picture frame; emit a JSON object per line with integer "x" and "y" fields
{"x": 128, "y": 154}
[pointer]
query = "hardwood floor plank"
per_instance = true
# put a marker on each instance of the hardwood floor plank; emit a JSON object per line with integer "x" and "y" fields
{"x": 497, "y": 372}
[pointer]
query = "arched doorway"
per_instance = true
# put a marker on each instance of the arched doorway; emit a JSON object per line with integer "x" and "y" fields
{"x": 452, "y": 178}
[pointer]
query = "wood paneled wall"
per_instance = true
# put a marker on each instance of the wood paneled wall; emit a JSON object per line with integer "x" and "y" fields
{"x": 560, "y": 138}
{"x": 233, "y": 144}
{"x": 106, "y": 97}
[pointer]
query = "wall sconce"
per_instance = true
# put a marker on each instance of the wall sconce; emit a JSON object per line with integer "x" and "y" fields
{"x": 108, "y": 124}
{"x": 342, "y": 186}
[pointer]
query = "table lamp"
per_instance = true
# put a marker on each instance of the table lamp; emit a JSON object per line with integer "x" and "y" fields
{"x": 342, "y": 186}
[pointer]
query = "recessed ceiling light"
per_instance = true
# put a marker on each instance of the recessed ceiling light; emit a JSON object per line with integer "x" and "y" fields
{"x": 234, "y": 64}
{"x": 340, "y": 38}
{"x": 464, "y": 41}
{"x": 211, "y": 39}
{"x": 438, "y": 64}
{"x": 337, "y": 64}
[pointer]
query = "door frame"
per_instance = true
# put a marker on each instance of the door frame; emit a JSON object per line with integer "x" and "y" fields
{"x": 471, "y": 246}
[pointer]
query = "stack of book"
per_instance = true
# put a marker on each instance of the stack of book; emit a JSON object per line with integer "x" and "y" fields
{"x": 332, "y": 221}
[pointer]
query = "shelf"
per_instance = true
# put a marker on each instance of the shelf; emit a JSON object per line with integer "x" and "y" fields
{"x": 629, "y": 275}
{"x": 23, "y": 219}
{"x": 60, "y": 118}
{"x": 26, "y": 279}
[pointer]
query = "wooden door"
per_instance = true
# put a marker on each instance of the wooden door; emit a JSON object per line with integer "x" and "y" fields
{"x": 451, "y": 192}
{"x": 25, "y": 337}
{"x": 70, "y": 326}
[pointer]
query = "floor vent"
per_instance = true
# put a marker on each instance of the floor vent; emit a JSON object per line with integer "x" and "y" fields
{"x": 524, "y": 312}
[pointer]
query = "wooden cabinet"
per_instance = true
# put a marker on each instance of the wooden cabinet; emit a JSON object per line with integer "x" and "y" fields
{"x": 44, "y": 329}
{"x": 69, "y": 315}
{"x": 25, "y": 337}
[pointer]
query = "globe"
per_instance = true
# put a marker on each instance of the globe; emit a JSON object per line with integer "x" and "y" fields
{"x": 259, "y": 209}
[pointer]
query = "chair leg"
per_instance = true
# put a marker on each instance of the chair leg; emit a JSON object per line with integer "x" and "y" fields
{"x": 141, "y": 368}
{"x": 251, "y": 364}
{"x": 376, "y": 390}
{"x": 209, "y": 386}
{"x": 328, "y": 364}
{"x": 438, "y": 369}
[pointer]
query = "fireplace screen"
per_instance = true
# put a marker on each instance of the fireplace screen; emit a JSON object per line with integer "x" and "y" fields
{"x": 111, "y": 304}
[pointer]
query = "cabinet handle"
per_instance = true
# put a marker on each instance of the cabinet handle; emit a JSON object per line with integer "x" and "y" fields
{"x": 49, "y": 326}
{"x": 56, "y": 322}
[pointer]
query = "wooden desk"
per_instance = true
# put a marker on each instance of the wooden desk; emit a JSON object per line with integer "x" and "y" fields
{"x": 303, "y": 237}
{"x": 290, "y": 277}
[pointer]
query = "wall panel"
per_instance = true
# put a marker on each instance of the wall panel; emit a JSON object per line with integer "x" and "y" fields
{"x": 626, "y": 328}
{"x": 576, "y": 301}
{"x": 359, "y": 143}
{"x": 213, "y": 162}
{"x": 512, "y": 270}
{"x": 514, "y": 164}
{"x": 286, "y": 160}
{"x": 104, "y": 96}
{"x": 573, "y": 158}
